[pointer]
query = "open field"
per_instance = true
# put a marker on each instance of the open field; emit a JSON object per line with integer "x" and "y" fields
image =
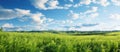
{"x": 58, "y": 42}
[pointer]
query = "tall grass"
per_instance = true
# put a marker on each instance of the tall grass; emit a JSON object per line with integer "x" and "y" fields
{"x": 48, "y": 42}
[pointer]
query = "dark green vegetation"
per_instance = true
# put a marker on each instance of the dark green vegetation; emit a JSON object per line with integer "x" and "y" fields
{"x": 59, "y": 42}
{"x": 1, "y": 29}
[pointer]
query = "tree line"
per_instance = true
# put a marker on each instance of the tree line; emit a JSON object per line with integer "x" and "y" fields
{"x": 1, "y": 29}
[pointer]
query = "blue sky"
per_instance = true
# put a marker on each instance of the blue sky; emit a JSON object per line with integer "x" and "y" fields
{"x": 65, "y": 15}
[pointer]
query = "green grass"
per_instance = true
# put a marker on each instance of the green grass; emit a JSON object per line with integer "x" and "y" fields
{"x": 49, "y": 42}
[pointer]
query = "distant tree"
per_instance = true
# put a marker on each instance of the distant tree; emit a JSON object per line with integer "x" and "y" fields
{"x": 1, "y": 29}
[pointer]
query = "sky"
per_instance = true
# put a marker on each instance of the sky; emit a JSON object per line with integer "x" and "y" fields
{"x": 60, "y": 15}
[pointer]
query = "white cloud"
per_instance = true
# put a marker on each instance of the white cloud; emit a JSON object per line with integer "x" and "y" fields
{"x": 68, "y": 5}
{"x": 107, "y": 26}
{"x": 7, "y": 25}
{"x": 116, "y": 2}
{"x": 115, "y": 16}
{"x": 48, "y": 4}
{"x": 7, "y": 14}
{"x": 39, "y": 3}
{"x": 102, "y": 2}
{"x": 83, "y": 2}
{"x": 22, "y": 11}
{"x": 67, "y": 22}
{"x": 19, "y": 29}
{"x": 74, "y": 15}
{"x": 38, "y": 18}
{"x": 91, "y": 13}
{"x": 86, "y": 2}
{"x": 53, "y": 3}
{"x": 49, "y": 19}
{"x": 94, "y": 9}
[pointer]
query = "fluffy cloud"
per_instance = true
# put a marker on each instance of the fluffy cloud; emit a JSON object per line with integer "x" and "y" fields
{"x": 92, "y": 13}
{"x": 22, "y": 11}
{"x": 94, "y": 9}
{"x": 116, "y": 2}
{"x": 6, "y": 14}
{"x": 54, "y": 4}
{"x": 39, "y": 3}
{"x": 102, "y": 2}
{"x": 47, "y": 4}
{"x": 38, "y": 18}
{"x": 7, "y": 25}
{"x": 74, "y": 15}
{"x": 115, "y": 16}
{"x": 88, "y": 27}
{"x": 86, "y": 2}
{"x": 67, "y": 21}
{"x": 106, "y": 27}
{"x": 83, "y": 2}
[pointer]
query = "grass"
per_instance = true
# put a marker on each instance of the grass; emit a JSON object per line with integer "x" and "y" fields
{"x": 50, "y": 42}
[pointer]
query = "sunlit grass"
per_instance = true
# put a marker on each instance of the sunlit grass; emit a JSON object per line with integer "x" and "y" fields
{"x": 49, "y": 42}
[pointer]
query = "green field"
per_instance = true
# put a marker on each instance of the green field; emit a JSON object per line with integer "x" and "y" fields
{"x": 58, "y": 42}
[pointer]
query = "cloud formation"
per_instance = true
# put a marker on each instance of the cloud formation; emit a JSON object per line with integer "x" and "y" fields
{"x": 115, "y": 16}
{"x": 6, "y": 14}
{"x": 7, "y": 25}
{"x": 38, "y": 18}
{"x": 55, "y": 4}
{"x": 74, "y": 15}
{"x": 116, "y": 2}
{"x": 48, "y": 4}
{"x": 91, "y": 13}
{"x": 64, "y": 15}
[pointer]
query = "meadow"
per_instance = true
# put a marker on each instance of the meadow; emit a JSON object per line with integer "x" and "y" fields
{"x": 59, "y": 42}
